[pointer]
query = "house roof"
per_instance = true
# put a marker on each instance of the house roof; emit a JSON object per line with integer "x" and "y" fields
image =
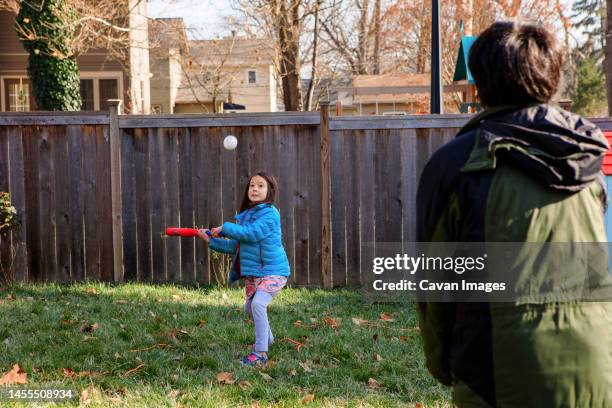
{"x": 232, "y": 56}
{"x": 233, "y": 51}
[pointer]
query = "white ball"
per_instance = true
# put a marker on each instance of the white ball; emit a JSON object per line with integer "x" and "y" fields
{"x": 230, "y": 142}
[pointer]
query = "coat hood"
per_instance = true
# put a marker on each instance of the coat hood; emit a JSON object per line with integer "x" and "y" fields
{"x": 562, "y": 149}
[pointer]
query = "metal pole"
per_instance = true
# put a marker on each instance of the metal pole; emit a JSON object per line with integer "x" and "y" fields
{"x": 436, "y": 59}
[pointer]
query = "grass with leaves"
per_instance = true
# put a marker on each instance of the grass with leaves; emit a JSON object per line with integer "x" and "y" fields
{"x": 142, "y": 345}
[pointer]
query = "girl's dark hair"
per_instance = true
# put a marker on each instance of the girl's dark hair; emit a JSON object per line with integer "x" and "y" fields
{"x": 270, "y": 197}
{"x": 516, "y": 63}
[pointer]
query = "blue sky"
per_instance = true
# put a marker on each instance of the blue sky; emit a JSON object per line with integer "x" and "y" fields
{"x": 205, "y": 16}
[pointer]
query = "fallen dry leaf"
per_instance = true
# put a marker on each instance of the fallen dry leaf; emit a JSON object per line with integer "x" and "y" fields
{"x": 15, "y": 376}
{"x": 89, "y": 393}
{"x": 85, "y": 397}
{"x": 133, "y": 370}
{"x": 174, "y": 393}
{"x": 69, "y": 373}
{"x": 377, "y": 357}
{"x": 160, "y": 345}
{"x": 373, "y": 384}
{"x": 418, "y": 405}
{"x": 87, "y": 338}
{"x": 405, "y": 339}
{"x": 292, "y": 373}
{"x": 225, "y": 378}
{"x": 201, "y": 323}
{"x": 305, "y": 367}
{"x": 177, "y": 297}
{"x": 297, "y": 344}
{"x": 359, "y": 321}
{"x": 308, "y": 399}
{"x": 386, "y": 317}
{"x": 330, "y": 321}
{"x": 10, "y": 297}
{"x": 91, "y": 291}
{"x": 244, "y": 385}
{"x": 265, "y": 376}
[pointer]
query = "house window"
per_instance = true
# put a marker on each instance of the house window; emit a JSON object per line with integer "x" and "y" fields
{"x": 87, "y": 94}
{"x": 18, "y": 95}
{"x": 95, "y": 92}
{"x": 108, "y": 90}
{"x": 252, "y": 76}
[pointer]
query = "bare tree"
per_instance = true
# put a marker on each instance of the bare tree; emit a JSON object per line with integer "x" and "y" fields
{"x": 313, "y": 72}
{"x": 207, "y": 72}
{"x": 282, "y": 20}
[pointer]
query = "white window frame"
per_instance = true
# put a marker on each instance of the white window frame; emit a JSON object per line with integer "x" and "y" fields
{"x": 96, "y": 76}
{"x": 3, "y": 90}
{"x": 256, "y": 77}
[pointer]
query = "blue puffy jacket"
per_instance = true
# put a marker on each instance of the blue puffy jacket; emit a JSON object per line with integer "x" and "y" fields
{"x": 261, "y": 245}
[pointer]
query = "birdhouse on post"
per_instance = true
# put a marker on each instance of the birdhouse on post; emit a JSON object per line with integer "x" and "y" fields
{"x": 463, "y": 75}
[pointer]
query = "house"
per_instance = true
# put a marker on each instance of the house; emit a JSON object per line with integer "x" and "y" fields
{"x": 234, "y": 73}
{"x": 234, "y": 70}
{"x": 389, "y": 94}
{"x": 102, "y": 77}
{"x": 167, "y": 47}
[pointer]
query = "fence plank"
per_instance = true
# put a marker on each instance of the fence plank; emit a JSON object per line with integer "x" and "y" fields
{"x": 338, "y": 207}
{"x": 408, "y": 176}
{"x": 33, "y": 229}
{"x": 288, "y": 190}
{"x": 143, "y": 204}
{"x": 6, "y": 248}
{"x": 301, "y": 209}
{"x": 16, "y": 179}
{"x": 319, "y": 213}
{"x": 367, "y": 194}
{"x": 353, "y": 185}
{"x": 62, "y": 204}
{"x": 157, "y": 191}
{"x": 185, "y": 197}
{"x": 172, "y": 205}
{"x": 46, "y": 203}
{"x": 128, "y": 203}
{"x": 208, "y": 197}
{"x": 104, "y": 204}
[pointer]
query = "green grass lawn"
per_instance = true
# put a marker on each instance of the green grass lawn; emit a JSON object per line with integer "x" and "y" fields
{"x": 152, "y": 346}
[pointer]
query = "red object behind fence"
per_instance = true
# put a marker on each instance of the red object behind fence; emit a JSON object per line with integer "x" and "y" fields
{"x": 607, "y": 163}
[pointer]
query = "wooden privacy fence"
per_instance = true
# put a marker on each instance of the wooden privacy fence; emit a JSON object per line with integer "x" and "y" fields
{"x": 94, "y": 191}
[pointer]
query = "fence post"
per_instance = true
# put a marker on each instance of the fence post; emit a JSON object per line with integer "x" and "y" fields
{"x": 326, "y": 261}
{"x": 115, "y": 172}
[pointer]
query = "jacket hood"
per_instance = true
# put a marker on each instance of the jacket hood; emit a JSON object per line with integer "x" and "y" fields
{"x": 253, "y": 209}
{"x": 562, "y": 149}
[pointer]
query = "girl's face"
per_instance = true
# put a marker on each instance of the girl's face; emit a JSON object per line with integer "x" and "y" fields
{"x": 258, "y": 189}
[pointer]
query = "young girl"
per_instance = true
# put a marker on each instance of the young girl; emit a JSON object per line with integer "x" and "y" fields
{"x": 259, "y": 257}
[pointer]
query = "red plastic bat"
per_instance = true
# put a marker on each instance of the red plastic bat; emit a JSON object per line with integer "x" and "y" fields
{"x": 187, "y": 232}
{"x": 181, "y": 232}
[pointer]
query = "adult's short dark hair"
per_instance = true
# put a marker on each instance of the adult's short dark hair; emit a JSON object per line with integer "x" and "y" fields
{"x": 516, "y": 63}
